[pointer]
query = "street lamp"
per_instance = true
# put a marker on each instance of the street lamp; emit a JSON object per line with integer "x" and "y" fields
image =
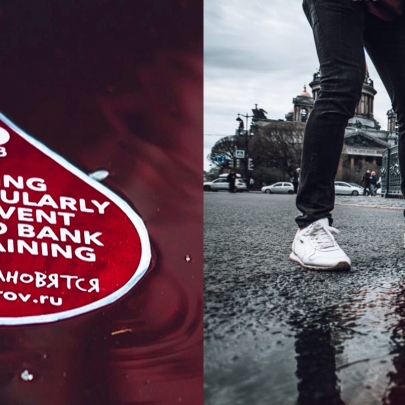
{"x": 246, "y": 116}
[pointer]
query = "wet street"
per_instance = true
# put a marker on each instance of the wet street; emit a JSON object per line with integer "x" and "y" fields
{"x": 277, "y": 334}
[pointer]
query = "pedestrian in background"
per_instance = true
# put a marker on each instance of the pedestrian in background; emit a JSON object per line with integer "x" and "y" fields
{"x": 373, "y": 183}
{"x": 231, "y": 180}
{"x": 251, "y": 184}
{"x": 379, "y": 183}
{"x": 295, "y": 179}
{"x": 341, "y": 30}
{"x": 366, "y": 182}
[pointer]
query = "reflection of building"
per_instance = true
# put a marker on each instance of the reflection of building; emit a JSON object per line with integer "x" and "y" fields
{"x": 364, "y": 140}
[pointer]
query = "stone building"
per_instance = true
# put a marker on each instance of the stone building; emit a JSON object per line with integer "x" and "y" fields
{"x": 303, "y": 105}
{"x": 364, "y": 140}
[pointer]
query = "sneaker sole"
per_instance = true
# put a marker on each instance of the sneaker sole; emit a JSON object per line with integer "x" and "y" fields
{"x": 338, "y": 266}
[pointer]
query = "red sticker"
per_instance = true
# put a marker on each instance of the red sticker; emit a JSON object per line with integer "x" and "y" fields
{"x": 68, "y": 245}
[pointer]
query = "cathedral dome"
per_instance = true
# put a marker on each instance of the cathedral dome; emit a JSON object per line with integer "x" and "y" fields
{"x": 305, "y": 93}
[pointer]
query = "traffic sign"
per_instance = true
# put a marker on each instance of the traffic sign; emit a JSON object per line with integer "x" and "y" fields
{"x": 221, "y": 159}
{"x": 59, "y": 250}
{"x": 240, "y": 154}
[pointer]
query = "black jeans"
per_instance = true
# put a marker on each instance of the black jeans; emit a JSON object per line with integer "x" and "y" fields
{"x": 342, "y": 28}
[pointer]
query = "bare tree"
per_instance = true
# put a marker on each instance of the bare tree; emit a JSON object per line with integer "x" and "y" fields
{"x": 278, "y": 145}
{"x": 226, "y": 147}
{"x": 212, "y": 174}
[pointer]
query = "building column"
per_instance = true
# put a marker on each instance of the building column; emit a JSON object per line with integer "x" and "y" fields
{"x": 363, "y": 162}
{"x": 351, "y": 163}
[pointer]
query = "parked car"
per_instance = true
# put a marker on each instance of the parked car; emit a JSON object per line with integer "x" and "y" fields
{"x": 362, "y": 188}
{"x": 356, "y": 185}
{"x": 279, "y": 188}
{"x": 223, "y": 184}
{"x": 344, "y": 188}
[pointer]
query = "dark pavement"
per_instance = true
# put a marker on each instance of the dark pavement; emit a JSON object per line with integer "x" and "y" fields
{"x": 277, "y": 334}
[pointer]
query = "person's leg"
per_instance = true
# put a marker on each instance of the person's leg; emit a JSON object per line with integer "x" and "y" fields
{"x": 385, "y": 44}
{"x": 338, "y": 27}
{"x": 338, "y": 32}
{"x": 372, "y": 189}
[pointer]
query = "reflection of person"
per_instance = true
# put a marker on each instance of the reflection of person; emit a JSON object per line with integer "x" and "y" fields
{"x": 231, "y": 180}
{"x": 373, "y": 183}
{"x": 91, "y": 86}
{"x": 295, "y": 178}
{"x": 316, "y": 365}
{"x": 366, "y": 182}
{"x": 341, "y": 29}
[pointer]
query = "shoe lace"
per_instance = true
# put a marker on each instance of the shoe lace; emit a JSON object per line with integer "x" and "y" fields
{"x": 322, "y": 236}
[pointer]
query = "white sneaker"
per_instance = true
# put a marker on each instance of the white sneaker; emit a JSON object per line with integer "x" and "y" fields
{"x": 315, "y": 248}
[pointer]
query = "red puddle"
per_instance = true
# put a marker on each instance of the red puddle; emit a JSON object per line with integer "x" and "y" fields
{"x": 108, "y": 94}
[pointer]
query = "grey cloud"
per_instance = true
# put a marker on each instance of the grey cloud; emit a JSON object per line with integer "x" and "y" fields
{"x": 237, "y": 59}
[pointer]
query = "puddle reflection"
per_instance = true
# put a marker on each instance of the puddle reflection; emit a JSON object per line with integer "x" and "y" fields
{"x": 396, "y": 386}
{"x": 316, "y": 367}
{"x": 354, "y": 353}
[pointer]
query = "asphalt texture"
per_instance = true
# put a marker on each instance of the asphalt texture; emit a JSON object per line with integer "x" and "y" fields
{"x": 276, "y": 333}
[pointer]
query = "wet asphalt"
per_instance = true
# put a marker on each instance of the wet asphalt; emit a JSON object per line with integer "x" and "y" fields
{"x": 279, "y": 334}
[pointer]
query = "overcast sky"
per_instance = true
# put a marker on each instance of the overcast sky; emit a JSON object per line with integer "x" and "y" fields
{"x": 262, "y": 52}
